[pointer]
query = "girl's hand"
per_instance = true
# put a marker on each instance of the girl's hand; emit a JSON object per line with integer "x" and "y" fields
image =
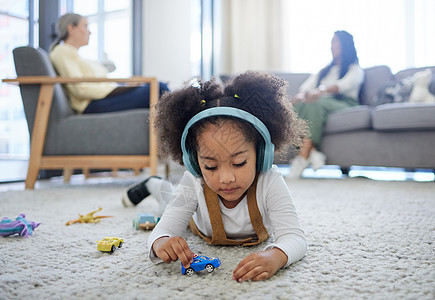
{"x": 260, "y": 265}
{"x": 173, "y": 248}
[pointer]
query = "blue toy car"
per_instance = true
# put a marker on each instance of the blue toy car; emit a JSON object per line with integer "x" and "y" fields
{"x": 201, "y": 262}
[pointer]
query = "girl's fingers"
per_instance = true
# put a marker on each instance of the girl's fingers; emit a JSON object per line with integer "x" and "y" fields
{"x": 172, "y": 249}
{"x": 252, "y": 274}
{"x": 243, "y": 267}
{"x": 261, "y": 276}
{"x": 183, "y": 252}
{"x": 171, "y": 254}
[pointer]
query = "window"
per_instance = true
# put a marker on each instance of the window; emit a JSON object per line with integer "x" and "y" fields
{"x": 17, "y": 28}
{"x": 110, "y": 23}
{"x": 111, "y": 31}
{"x": 397, "y": 33}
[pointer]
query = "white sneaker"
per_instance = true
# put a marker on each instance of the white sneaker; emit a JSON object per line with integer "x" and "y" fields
{"x": 298, "y": 166}
{"x": 317, "y": 159}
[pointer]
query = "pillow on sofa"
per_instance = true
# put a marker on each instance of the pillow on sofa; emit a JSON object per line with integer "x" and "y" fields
{"x": 420, "y": 91}
{"x": 374, "y": 79}
{"x": 394, "y": 92}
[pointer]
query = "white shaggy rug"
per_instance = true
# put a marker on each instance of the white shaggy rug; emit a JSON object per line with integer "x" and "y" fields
{"x": 367, "y": 240}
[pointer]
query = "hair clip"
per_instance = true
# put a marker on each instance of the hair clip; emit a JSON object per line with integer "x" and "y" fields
{"x": 203, "y": 102}
{"x": 236, "y": 96}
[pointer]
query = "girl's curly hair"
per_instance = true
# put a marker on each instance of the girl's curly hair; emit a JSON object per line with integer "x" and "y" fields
{"x": 260, "y": 94}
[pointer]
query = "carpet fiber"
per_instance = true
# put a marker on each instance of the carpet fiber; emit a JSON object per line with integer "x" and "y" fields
{"x": 367, "y": 240}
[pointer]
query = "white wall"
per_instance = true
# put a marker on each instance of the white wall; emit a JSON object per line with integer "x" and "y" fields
{"x": 167, "y": 32}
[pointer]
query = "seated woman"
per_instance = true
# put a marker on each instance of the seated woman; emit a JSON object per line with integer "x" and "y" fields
{"x": 100, "y": 97}
{"x": 333, "y": 88}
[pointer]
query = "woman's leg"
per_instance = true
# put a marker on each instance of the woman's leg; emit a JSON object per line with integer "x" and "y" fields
{"x": 135, "y": 97}
{"x": 316, "y": 115}
{"x": 306, "y": 148}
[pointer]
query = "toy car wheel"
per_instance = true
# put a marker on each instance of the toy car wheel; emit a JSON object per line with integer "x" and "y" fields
{"x": 189, "y": 272}
{"x": 113, "y": 248}
{"x": 209, "y": 268}
{"x": 120, "y": 245}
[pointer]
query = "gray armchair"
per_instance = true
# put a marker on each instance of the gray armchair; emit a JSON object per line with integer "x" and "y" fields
{"x": 61, "y": 139}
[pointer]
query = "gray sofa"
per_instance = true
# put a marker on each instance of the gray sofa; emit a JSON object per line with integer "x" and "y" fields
{"x": 387, "y": 135}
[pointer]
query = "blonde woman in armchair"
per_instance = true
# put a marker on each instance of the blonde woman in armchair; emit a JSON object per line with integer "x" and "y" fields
{"x": 73, "y": 33}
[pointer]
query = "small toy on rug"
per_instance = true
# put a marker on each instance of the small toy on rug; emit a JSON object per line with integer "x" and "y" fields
{"x": 88, "y": 218}
{"x": 20, "y": 226}
{"x": 201, "y": 262}
{"x": 109, "y": 244}
{"x": 145, "y": 221}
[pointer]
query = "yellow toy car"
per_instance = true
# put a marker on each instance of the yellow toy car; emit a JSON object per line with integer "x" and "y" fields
{"x": 109, "y": 244}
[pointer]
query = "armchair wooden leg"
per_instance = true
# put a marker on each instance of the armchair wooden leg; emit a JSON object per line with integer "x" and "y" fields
{"x": 32, "y": 175}
{"x": 86, "y": 172}
{"x": 38, "y": 133}
{"x": 67, "y": 175}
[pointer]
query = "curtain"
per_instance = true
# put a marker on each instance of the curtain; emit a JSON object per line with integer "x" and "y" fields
{"x": 295, "y": 35}
{"x": 251, "y": 36}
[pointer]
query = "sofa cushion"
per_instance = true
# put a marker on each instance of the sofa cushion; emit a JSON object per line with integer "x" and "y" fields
{"x": 114, "y": 133}
{"x": 375, "y": 79}
{"x": 411, "y": 71}
{"x": 294, "y": 80}
{"x": 349, "y": 119}
{"x": 404, "y": 116}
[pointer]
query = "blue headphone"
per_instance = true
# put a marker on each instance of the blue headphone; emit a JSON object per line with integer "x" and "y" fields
{"x": 265, "y": 151}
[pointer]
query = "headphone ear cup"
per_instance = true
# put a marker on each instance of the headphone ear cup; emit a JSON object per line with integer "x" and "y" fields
{"x": 196, "y": 170}
{"x": 269, "y": 151}
{"x": 260, "y": 156}
{"x": 265, "y": 154}
{"x": 191, "y": 163}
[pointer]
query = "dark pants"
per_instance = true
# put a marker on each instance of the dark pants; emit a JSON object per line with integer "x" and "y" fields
{"x": 130, "y": 98}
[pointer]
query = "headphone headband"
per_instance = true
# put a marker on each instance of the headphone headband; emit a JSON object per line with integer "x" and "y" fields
{"x": 266, "y": 162}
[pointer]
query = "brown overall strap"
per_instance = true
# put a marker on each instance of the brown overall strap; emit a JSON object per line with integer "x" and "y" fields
{"x": 255, "y": 215}
{"x": 219, "y": 237}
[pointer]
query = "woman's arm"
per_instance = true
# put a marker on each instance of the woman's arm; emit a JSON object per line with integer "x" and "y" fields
{"x": 351, "y": 81}
{"x": 68, "y": 63}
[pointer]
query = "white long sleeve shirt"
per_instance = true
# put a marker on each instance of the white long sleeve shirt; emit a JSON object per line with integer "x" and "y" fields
{"x": 349, "y": 85}
{"x": 68, "y": 63}
{"x": 274, "y": 202}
